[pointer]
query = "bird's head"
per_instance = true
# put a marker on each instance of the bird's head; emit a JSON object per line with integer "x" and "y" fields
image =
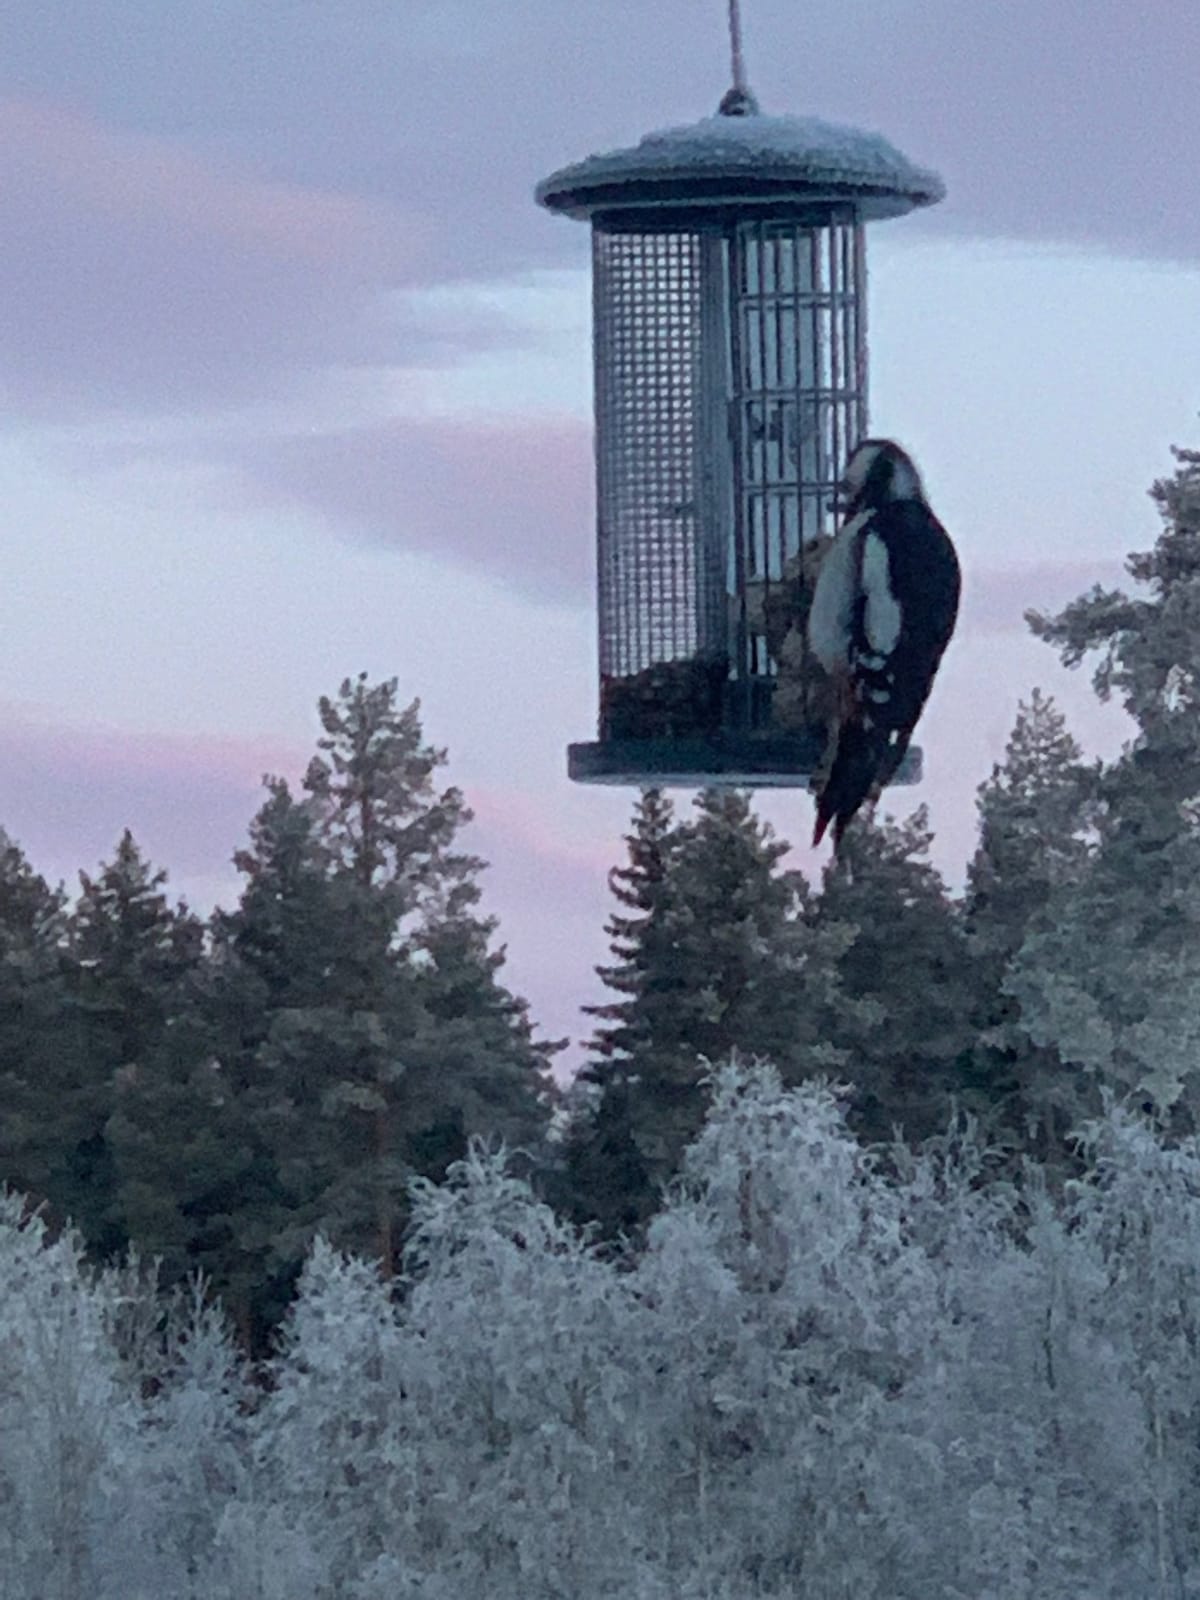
{"x": 878, "y": 471}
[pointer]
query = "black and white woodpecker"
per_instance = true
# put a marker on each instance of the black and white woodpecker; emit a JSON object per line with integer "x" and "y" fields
{"x": 883, "y": 609}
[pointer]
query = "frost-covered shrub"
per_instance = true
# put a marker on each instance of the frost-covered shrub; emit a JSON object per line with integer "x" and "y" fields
{"x": 818, "y": 1378}
{"x": 65, "y": 1414}
{"x": 118, "y": 1427}
{"x": 822, "y": 1376}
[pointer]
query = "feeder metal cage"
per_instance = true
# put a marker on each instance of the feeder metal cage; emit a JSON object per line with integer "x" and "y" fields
{"x": 730, "y": 364}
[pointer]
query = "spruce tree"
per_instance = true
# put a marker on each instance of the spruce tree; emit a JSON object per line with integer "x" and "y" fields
{"x": 51, "y": 1111}
{"x": 133, "y": 953}
{"x": 1037, "y": 818}
{"x": 475, "y": 1059}
{"x": 604, "y": 1176}
{"x": 285, "y": 936}
{"x": 134, "y": 957}
{"x": 904, "y": 971}
{"x": 190, "y": 1129}
{"x": 639, "y": 934}
{"x": 183, "y": 1157}
{"x": 714, "y": 953}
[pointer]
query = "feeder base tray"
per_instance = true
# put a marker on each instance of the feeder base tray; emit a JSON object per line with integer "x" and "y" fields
{"x": 722, "y": 761}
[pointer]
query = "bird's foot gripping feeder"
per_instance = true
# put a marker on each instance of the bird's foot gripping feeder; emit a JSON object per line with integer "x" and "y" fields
{"x": 730, "y": 357}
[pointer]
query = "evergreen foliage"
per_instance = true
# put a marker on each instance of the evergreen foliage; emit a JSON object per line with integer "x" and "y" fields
{"x": 1038, "y": 814}
{"x": 904, "y": 970}
{"x": 52, "y": 1112}
{"x": 713, "y": 951}
{"x": 216, "y": 1095}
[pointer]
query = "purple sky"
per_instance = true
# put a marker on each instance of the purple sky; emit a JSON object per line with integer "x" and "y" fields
{"x": 295, "y": 383}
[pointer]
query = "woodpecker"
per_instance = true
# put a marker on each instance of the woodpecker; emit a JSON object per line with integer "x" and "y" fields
{"x": 883, "y": 610}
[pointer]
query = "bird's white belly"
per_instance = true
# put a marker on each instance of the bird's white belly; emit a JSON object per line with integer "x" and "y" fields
{"x": 881, "y": 609}
{"x": 831, "y": 617}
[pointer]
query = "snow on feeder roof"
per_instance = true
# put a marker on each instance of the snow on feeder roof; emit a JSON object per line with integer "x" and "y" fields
{"x": 743, "y": 159}
{"x": 730, "y": 360}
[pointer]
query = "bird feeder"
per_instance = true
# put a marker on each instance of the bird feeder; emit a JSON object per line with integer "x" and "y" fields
{"x": 730, "y": 367}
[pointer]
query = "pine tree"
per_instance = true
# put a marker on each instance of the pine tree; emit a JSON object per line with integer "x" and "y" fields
{"x": 377, "y": 808}
{"x": 362, "y": 1013}
{"x": 1111, "y": 975}
{"x": 904, "y": 970}
{"x": 1149, "y": 656}
{"x": 415, "y": 1075}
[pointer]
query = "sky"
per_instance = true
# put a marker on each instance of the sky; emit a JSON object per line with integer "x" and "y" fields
{"x": 295, "y": 383}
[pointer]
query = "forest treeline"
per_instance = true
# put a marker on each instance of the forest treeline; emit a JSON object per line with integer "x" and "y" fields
{"x": 216, "y": 1092}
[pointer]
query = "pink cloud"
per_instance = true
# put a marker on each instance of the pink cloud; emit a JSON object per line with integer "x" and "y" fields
{"x": 67, "y": 794}
{"x": 512, "y": 498}
{"x": 74, "y": 161}
{"x": 135, "y": 269}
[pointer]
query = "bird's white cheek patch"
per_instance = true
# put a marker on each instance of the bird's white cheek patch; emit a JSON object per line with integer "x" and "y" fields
{"x": 881, "y": 613}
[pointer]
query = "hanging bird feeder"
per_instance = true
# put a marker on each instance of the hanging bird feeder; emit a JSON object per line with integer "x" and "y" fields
{"x": 730, "y": 365}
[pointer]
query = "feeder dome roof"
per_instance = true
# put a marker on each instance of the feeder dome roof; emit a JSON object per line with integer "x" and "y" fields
{"x": 746, "y": 159}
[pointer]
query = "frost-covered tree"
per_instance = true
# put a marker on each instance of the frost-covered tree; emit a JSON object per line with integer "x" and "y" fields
{"x": 119, "y": 1425}
{"x": 1111, "y": 975}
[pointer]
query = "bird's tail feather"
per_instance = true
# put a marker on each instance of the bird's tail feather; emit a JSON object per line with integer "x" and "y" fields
{"x": 852, "y": 775}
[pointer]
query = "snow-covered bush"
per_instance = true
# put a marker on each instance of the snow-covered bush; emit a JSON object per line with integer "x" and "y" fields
{"x": 118, "y": 1432}
{"x": 823, "y": 1376}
